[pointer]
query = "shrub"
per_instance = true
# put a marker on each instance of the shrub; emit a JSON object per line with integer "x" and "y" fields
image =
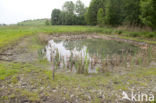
{"x": 151, "y": 35}
{"x": 47, "y": 22}
{"x": 119, "y": 32}
{"x": 134, "y": 34}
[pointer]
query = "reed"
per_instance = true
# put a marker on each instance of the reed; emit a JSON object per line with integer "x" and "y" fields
{"x": 127, "y": 59}
{"x": 86, "y": 63}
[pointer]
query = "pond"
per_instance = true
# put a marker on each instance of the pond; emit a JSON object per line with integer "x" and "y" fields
{"x": 87, "y": 54}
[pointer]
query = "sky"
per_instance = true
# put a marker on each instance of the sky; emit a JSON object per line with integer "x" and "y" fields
{"x": 13, "y": 11}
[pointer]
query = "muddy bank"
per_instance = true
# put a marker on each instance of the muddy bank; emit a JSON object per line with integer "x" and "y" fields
{"x": 19, "y": 51}
{"x": 48, "y": 37}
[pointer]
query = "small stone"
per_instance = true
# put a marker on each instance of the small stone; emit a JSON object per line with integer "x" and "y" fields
{"x": 100, "y": 96}
{"x": 89, "y": 97}
{"x": 71, "y": 95}
{"x": 54, "y": 91}
{"x": 25, "y": 101}
{"x": 41, "y": 88}
{"x": 116, "y": 82}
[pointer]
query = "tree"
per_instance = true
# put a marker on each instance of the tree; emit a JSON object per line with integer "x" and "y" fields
{"x": 113, "y": 12}
{"x": 69, "y": 19}
{"x": 93, "y": 9}
{"x": 62, "y": 18}
{"x": 55, "y": 17}
{"x": 71, "y": 14}
{"x": 131, "y": 12}
{"x": 80, "y": 13}
{"x": 80, "y": 8}
{"x": 86, "y": 16}
{"x": 148, "y": 12}
{"x": 69, "y": 7}
{"x": 100, "y": 17}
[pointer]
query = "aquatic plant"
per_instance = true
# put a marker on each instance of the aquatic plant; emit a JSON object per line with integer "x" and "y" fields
{"x": 86, "y": 63}
{"x": 40, "y": 54}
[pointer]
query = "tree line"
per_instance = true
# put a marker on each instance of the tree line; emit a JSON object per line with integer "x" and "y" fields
{"x": 71, "y": 14}
{"x": 107, "y": 13}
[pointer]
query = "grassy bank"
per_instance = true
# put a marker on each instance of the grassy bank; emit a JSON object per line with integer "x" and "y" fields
{"x": 9, "y": 34}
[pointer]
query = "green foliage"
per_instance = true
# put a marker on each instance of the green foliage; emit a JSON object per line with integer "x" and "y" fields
{"x": 55, "y": 16}
{"x": 47, "y": 22}
{"x": 113, "y": 12}
{"x": 131, "y": 12}
{"x": 148, "y": 12}
{"x": 80, "y": 13}
{"x": 69, "y": 17}
{"x": 108, "y": 12}
{"x": 134, "y": 34}
{"x": 123, "y": 12}
{"x": 151, "y": 35}
{"x": 93, "y": 10}
{"x": 80, "y": 8}
{"x": 100, "y": 17}
{"x": 69, "y": 7}
{"x": 86, "y": 16}
{"x": 119, "y": 32}
{"x": 72, "y": 14}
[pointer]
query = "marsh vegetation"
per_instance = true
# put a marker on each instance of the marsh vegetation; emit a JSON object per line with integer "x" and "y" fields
{"x": 83, "y": 55}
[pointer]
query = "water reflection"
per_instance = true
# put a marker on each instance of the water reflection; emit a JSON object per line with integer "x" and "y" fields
{"x": 65, "y": 49}
{"x": 89, "y": 51}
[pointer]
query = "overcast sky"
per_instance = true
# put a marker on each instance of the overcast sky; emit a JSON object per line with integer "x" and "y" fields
{"x": 13, "y": 11}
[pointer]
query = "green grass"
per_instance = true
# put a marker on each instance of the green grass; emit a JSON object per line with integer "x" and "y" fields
{"x": 33, "y": 22}
{"x": 10, "y": 34}
{"x": 10, "y": 69}
{"x": 5, "y": 71}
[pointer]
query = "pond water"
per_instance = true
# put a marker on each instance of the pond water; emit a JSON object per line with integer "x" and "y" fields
{"x": 65, "y": 51}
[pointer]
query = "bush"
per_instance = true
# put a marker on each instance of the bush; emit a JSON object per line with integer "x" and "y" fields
{"x": 119, "y": 32}
{"x": 47, "y": 22}
{"x": 151, "y": 35}
{"x": 134, "y": 34}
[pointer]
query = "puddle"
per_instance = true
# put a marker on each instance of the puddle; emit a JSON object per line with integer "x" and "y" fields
{"x": 90, "y": 53}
